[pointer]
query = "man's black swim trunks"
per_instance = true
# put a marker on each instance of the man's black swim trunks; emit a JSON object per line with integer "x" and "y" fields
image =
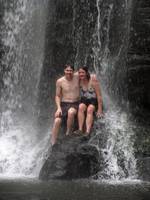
{"x": 65, "y": 106}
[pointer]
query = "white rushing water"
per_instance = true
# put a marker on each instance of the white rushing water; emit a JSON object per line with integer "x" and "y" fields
{"x": 23, "y": 39}
{"x": 118, "y": 152}
{"x": 119, "y": 149}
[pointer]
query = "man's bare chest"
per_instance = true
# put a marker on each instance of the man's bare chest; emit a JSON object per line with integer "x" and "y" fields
{"x": 70, "y": 86}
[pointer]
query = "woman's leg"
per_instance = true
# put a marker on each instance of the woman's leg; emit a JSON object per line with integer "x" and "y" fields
{"x": 81, "y": 115}
{"x": 89, "y": 118}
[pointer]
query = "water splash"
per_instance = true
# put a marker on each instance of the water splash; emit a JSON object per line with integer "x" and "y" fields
{"x": 23, "y": 40}
{"x": 21, "y": 153}
{"x": 101, "y": 50}
{"x": 118, "y": 152}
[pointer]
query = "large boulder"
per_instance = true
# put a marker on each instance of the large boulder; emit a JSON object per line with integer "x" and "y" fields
{"x": 72, "y": 157}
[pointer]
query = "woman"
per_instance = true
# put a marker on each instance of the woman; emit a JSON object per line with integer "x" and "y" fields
{"x": 90, "y": 100}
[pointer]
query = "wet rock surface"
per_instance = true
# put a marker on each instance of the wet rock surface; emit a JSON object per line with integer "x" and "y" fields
{"x": 72, "y": 157}
{"x": 143, "y": 165}
{"x": 139, "y": 55}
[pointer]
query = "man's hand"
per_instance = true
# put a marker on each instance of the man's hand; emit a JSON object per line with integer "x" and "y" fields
{"x": 58, "y": 113}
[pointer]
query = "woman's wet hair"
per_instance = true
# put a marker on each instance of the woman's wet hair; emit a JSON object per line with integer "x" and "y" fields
{"x": 68, "y": 65}
{"x": 85, "y": 68}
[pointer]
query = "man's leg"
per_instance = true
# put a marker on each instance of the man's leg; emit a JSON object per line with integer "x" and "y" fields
{"x": 89, "y": 118}
{"x": 55, "y": 130}
{"x": 81, "y": 115}
{"x": 70, "y": 120}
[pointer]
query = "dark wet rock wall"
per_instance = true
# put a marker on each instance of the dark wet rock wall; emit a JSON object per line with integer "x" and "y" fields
{"x": 143, "y": 165}
{"x": 1, "y": 46}
{"x": 139, "y": 56}
{"x": 138, "y": 65}
{"x": 58, "y": 51}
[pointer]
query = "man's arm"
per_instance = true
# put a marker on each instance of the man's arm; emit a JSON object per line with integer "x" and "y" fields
{"x": 76, "y": 73}
{"x": 58, "y": 97}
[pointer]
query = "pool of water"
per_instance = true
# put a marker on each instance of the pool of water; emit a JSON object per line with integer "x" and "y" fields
{"x": 33, "y": 189}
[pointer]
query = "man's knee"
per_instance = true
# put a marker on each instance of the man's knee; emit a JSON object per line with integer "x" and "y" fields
{"x": 72, "y": 112}
{"x": 58, "y": 121}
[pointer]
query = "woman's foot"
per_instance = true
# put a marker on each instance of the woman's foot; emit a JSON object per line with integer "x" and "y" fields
{"x": 78, "y": 132}
{"x": 87, "y": 133}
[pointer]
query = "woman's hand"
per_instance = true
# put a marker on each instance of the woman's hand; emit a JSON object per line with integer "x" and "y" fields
{"x": 58, "y": 113}
{"x": 99, "y": 114}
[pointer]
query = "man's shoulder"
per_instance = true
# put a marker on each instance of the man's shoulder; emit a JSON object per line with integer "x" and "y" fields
{"x": 60, "y": 80}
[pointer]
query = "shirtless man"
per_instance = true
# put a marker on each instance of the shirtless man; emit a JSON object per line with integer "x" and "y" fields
{"x": 67, "y": 100}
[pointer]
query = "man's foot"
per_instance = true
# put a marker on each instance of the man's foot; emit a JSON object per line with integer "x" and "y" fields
{"x": 54, "y": 147}
{"x": 68, "y": 133}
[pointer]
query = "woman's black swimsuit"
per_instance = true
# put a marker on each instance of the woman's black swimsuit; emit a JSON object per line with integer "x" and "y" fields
{"x": 88, "y": 97}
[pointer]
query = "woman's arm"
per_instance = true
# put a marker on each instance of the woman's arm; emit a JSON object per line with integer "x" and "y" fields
{"x": 96, "y": 86}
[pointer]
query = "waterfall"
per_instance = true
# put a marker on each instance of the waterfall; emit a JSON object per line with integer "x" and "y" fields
{"x": 101, "y": 37}
{"x": 23, "y": 41}
{"x": 118, "y": 152}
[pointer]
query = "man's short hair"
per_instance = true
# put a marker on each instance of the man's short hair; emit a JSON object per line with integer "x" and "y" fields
{"x": 68, "y": 65}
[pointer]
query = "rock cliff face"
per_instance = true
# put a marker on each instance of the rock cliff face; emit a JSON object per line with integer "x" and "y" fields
{"x": 58, "y": 51}
{"x": 1, "y": 46}
{"x": 138, "y": 65}
{"x": 139, "y": 55}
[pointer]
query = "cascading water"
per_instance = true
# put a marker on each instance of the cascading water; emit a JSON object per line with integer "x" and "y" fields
{"x": 23, "y": 41}
{"x": 118, "y": 152}
{"x": 103, "y": 46}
